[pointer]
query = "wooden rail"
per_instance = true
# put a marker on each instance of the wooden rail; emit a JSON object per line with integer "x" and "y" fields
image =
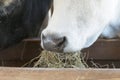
{"x": 58, "y": 74}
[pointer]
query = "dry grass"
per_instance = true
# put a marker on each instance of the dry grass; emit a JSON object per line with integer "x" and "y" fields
{"x": 48, "y": 59}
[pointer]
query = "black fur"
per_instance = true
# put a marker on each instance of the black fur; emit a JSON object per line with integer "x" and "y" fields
{"x": 21, "y": 19}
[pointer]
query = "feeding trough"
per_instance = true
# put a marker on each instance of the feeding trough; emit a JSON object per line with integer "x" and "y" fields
{"x": 103, "y": 52}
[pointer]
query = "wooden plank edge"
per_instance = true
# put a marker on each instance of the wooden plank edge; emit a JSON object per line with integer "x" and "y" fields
{"x": 58, "y": 74}
{"x": 38, "y": 39}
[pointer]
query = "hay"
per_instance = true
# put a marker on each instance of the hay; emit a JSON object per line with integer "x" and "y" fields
{"x": 48, "y": 59}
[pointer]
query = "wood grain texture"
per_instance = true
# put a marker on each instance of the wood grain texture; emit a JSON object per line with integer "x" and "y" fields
{"x": 58, "y": 74}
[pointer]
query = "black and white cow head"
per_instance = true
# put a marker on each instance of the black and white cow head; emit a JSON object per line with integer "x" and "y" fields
{"x": 76, "y": 24}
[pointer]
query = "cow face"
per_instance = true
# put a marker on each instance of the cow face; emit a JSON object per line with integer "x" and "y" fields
{"x": 76, "y": 24}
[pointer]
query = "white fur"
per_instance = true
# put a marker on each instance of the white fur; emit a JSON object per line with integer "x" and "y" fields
{"x": 82, "y": 21}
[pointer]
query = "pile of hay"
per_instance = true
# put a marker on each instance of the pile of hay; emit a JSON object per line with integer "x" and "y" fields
{"x": 48, "y": 59}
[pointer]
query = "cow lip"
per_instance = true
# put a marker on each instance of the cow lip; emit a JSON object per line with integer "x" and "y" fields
{"x": 60, "y": 49}
{"x": 57, "y": 49}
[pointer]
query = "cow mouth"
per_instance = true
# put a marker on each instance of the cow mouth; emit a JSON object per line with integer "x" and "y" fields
{"x": 55, "y": 48}
{"x": 61, "y": 46}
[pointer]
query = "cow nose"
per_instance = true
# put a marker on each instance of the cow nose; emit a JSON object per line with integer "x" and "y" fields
{"x": 53, "y": 42}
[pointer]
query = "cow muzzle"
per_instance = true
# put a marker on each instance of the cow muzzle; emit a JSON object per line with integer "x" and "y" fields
{"x": 53, "y": 42}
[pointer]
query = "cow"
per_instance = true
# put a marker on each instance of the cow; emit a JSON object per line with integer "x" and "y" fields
{"x": 20, "y": 19}
{"x": 77, "y": 24}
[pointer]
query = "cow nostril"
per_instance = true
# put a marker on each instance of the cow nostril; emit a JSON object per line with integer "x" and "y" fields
{"x": 43, "y": 36}
{"x": 60, "y": 42}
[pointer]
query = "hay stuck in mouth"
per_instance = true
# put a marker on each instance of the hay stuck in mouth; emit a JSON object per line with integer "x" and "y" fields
{"x": 48, "y": 59}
